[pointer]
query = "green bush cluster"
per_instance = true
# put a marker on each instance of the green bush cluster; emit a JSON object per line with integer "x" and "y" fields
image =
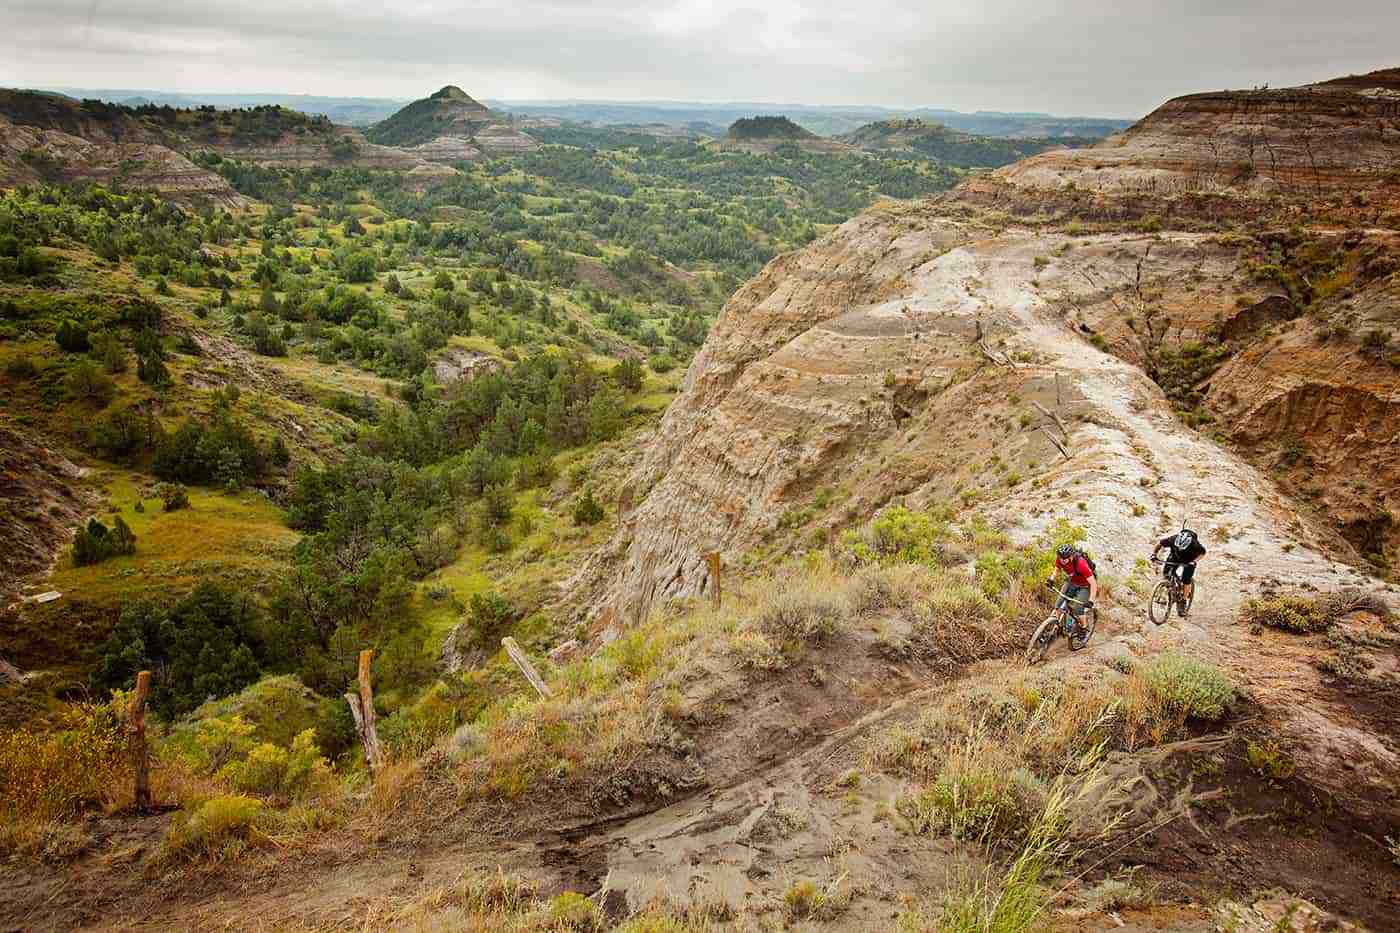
{"x": 95, "y": 542}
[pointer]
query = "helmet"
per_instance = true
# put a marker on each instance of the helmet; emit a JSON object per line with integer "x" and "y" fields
{"x": 1184, "y": 539}
{"x": 1064, "y": 551}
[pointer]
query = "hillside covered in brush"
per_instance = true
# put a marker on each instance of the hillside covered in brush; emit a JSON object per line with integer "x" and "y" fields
{"x": 936, "y": 141}
{"x": 681, "y": 510}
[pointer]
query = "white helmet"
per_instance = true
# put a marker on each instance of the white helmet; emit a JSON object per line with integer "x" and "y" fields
{"x": 1184, "y": 539}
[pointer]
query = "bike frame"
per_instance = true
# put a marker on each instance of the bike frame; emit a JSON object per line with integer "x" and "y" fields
{"x": 1063, "y": 614}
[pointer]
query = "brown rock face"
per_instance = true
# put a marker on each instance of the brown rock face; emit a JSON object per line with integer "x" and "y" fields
{"x": 898, "y": 356}
{"x": 30, "y": 154}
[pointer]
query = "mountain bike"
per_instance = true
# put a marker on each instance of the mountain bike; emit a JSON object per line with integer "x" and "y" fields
{"x": 1168, "y": 595}
{"x": 1058, "y": 623}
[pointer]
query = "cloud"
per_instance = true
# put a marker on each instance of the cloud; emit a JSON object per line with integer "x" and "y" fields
{"x": 1071, "y": 56}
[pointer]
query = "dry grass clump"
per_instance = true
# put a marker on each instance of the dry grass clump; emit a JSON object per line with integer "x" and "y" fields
{"x": 1046, "y": 725}
{"x": 1009, "y": 898}
{"x": 1305, "y": 615}
{"x": 980, "y": 792}
{"x": 46, "y": 840}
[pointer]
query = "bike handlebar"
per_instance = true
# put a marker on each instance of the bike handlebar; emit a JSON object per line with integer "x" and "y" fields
{"x": 1056, "y": 589}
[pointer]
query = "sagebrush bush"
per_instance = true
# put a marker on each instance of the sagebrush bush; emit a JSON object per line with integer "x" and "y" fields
{"x": 1288, "y": 614}
{"x": 1191, "y": 688}
{"x": 808, "y": 614}
{"x": 218, "y": 828}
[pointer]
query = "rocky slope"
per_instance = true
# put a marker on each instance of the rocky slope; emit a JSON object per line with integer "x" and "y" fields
{"x": 1128, "y": 337}
{"x": 449, "y": 126}
{"x": 30, "y": 154}
{"x": 899, "y": 355}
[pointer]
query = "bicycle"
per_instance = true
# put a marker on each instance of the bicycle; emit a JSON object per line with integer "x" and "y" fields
{"x": 1058, "y": 623}
{"x": 1169, "y": 594}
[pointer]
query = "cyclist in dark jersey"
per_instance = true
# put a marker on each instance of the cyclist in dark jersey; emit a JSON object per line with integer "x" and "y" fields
{"x": 1082, "y": 586}
{"x": 1186, "y": 549}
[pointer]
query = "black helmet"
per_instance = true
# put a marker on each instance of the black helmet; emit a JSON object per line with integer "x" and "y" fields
{"x": 1064, "y": 551}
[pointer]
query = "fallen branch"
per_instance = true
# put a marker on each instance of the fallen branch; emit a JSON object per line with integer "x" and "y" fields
{"x": 1051, "y": 415}
{"x": 1055, "y": 441}
{"x": 523, "y": 662}
{"x": 993, "y": 357}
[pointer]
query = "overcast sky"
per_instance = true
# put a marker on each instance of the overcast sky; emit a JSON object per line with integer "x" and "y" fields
{"x": 1089, "y": 57}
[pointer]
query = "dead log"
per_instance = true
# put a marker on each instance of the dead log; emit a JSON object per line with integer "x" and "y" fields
{"x": 523, "y": 662}
{"x": 1000, "y": 361}
{"x": 1050, "y": 414}
{"x": 136, "y": 736}
{"x": 362, "y": 709}
{"x": 1056, "y": 442}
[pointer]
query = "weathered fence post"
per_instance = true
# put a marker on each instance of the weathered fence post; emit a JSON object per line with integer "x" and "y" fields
{"x": 718, "y": 595}
{"x": 523, "y": 662}
{"x": 136, "y": 728}
{"x": 362, "y": 709}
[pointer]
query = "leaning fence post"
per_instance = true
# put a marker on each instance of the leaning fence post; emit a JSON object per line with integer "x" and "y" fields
{"x": 362, "y": 709}
{"x": 718, "y": 594}
{"x": 136, "y": 726}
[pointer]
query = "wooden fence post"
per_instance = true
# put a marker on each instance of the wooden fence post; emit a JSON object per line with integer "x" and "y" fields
{"x": 362, "y": 709}
{"x": 522, "y": 661}
{"x": 136, "y": 726}
{"x": 718, "y": 594}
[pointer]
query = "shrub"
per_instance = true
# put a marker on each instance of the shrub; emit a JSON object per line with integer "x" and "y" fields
{"x": 55, "y": 774}
{"x": 662, "y": 363}
{"x": 489, "y": 616}
{"x": 587, "y": 510}
{"x": 86, "y": 382}
{"x": 978, "y": 795}
{"x": 1270, "y": 761}
{"x": 806, "y": 614}
{"x": 1288, "y": 614}
{"x": 219, "y": 828}
{"x": 94, "y": 542}
{"x": 72, "y": 337}
{"x": 173, "y": 496}
{"x": 898, "y": 534}
{"x": 628, "y": 375}
{"x": 271, "y": 770}
{"x": 574, "y": 912}
{"x": 1188, "y": 687}
{"x": 21, "y": 367}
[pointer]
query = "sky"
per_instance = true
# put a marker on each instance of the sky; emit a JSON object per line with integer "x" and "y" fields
{"x": 1069, "y": 57}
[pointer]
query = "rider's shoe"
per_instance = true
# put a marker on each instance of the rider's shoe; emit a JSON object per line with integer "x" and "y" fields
{"x": 1078, "y": 637}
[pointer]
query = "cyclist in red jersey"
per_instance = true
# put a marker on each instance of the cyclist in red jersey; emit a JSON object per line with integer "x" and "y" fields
{"x": 1081, "y": 590}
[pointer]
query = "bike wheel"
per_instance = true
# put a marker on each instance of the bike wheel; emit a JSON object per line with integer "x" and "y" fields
{"x": 1159, "y": 608}
{"x": 1041, "y": 640}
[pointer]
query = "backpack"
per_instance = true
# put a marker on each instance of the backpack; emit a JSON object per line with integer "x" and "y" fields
{"x": 1088, "y": 560}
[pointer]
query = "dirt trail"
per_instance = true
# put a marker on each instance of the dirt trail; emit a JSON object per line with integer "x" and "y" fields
{"x": 791, "y": 821}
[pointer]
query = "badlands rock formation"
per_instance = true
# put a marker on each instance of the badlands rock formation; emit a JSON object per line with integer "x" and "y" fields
{"x": 31, "y": 154}
{"x": 901, "y": 354}
{"x": 449, "y": 126}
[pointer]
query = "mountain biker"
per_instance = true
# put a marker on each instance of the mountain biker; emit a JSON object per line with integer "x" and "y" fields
{"x": 1186, "y": 549}
{"x": 1082, "y": 585}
